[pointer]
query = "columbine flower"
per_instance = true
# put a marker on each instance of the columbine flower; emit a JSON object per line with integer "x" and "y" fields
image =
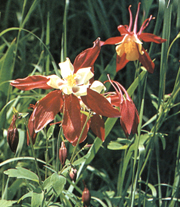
{"x": 71, "y": 83}
{"x": 129, "y": 46}
{"x": 129, "y": 119}
{"x": 67, "y": 96}
{"x": 98, "y": 106}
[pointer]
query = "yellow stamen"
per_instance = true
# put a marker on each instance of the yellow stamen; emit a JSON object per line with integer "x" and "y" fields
{"x": 71, "y": 80}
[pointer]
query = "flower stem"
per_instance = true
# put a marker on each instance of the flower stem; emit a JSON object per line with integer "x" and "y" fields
{"x": 57, "y": 151}
{"x": 75, "y": 149}
{"x": 64, "y": 35}
{"x": 34, "y": 155}
{"x": 46, "y": 154}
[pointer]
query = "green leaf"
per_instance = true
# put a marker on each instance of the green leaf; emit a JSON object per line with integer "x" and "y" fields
{"x": 116, "y": 146}
{"x": 47, "y": 185}
{"x": 20, "y": 172}
{"x": 6, "y": 70}
{"x": 65, "y": 200}
{"x": 163, "y": 140}
{"x": 19, "y": 158}
{"x": 147, "y": 5}
{"x": 111, "y": 70}
{"x": 27, "y": 195}
{"x": 119, "y": 144}
{"x": 37, "y": 198}
{"x": 6, "y": 203}
{"x": 14, "y": 188}
{"x": 32, "y": 8}
{"x": 57, "y": 182}
{"x": 50, "y": 131}
{"x": 151, "y": 187}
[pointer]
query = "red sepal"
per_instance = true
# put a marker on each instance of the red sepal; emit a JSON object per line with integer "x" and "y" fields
{"x": 121, "y": 62}
{"x": 148, "y": 37}
{"x": 88, "y": 57}
{"x": 112, "y": 41}
{"x": 71, "y": 118}
{"x": 99, "y": 104}
{"x": 97, "y": 126}
{"x": 129, "y": 117}
{"x": 31, "y": 82}
{"x": 136, "y": 122}
{"x": 47, "y": 108}
{"x": 86, "y": 129}
{"x": 44, "y": 112}
{"x": 123, "y": 29}
{"x": 146, "y": 61}
{"x": 31, "y": 130}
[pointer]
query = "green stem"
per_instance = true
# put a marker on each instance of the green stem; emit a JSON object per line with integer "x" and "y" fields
{"x": 57, "y": 150}
{"x": 34, "y": 155}
{"x": 75, "y": 149}
{"x": 46, "y": 155}
{"x": 158, "y": 171}
{"x": 64, "y": 36}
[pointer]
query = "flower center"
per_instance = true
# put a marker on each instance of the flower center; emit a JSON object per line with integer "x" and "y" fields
{"x": 131, "y": 50}
{"x": 130, "y": 46}
{"x": 71, "y": 80}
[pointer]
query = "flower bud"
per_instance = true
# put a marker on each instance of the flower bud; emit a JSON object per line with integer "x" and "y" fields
{"x": 86, "y": 196}
{"x": 13, "y": 135}
{"x": 62, "y": 153}
{"x": 73, "y": 173}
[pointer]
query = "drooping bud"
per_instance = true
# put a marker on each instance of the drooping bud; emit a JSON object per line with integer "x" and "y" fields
{"x": 62, "y": 153}
{"x": 13, "y": 134}
{"x": 86, "y": 196}
{"x": 73, "y": 173}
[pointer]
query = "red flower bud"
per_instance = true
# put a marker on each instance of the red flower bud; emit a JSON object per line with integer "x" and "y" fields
{"x": 13, "y": 135}
{"x": 62, "y": 153}
{"x": 73, "y": 173}
{"x": 86, "y": 196}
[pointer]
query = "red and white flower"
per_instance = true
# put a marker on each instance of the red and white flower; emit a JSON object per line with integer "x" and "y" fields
{"x": 70, "y": 90}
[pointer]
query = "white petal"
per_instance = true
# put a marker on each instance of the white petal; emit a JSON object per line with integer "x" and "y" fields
{"x": 80, "y": 90}
{"x": 97, "y": 86}
{"x": 83, "y": 75}
{"x": 66, "y": 89}
{"x": 55, "y": 81}
{"x": 83, "y": 106}
{"x": 137, "y": 40}
{"x": 66, "y": 68}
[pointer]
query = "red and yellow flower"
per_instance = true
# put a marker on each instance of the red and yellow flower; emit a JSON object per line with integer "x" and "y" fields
{"x": 129, "y": 45}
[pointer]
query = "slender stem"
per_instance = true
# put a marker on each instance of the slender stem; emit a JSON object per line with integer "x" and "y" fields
{"x": 75, "y": 149}
{"x": 64, "y": 36}
{"x": 46, "y": 154}
{"x": 57, "y": 150}
{"x": 34, "y": 155}
{"x": 158, "y": 171}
